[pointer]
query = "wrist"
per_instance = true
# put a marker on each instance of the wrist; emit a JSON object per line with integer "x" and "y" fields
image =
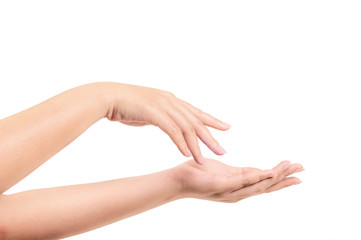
{"x": 100, "y": 93}
{"x": 180, "y": 178}
{"x": 175, "y": 183}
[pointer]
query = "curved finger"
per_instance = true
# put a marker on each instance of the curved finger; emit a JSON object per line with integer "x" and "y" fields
{"x": 262, "y": 185}
{"x": 201, "y": 130}
{"x": 291, "y": 169}
{"x": 282, "y": 170}
{"x": 207, "y": 119}
{"x": 251, "y": 190}
{"x": 287, "y": 182}
{"x": 294, "y": 168}
{"x": 241, "y": 180}
{"x": 284, "y": 165}
{"x": 168, "y": 126}
{"x": 206, "y": 137}
{"x": 192, "y": 142}
{"x": 188, "y": 131}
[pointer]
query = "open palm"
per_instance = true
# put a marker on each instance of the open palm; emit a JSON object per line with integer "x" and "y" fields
{"x": 217, "y": 181}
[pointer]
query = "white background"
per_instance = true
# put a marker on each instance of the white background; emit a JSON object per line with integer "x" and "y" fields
{"x": 285, "y": 74}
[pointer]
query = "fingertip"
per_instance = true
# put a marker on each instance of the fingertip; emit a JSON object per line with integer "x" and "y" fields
{"x": 200, "y": 160}
{"x": 297, "y": 181}
{"x": 219, "y": 125}
{"x": 226, "y": 125}
{"x": 219, "y": 150}
{"x": 187, "y": 153}
{"x": 299, "y": 169}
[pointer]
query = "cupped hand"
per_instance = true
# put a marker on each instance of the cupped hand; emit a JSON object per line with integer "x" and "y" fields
{"x": 139, "y": 106}
{"x": 217, "y": 181}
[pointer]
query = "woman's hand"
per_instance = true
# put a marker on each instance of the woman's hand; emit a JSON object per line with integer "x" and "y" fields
{"x": 139, "y": 106}
{"x": 220, "y": 182}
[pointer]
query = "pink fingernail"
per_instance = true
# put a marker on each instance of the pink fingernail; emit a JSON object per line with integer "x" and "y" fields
{"x": 220, "y": 150}
{"x": 299, "y": 169}
{"x": 201, "y": 160}
{"x": 297, "y": 182}
{"x": 188, "y": 153}
{"x": 227, "y": 125}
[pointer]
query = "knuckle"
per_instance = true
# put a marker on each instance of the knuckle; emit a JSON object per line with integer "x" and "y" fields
{"x": 173, "y": 131}
{"x": 199, "y": 123}
{"x": 199, "y": 126}
{"x": 188, "y": 130}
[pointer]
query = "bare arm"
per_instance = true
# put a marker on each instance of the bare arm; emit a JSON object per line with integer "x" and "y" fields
{"x": 31, "y": 137}
{"x": 64, "y": 211}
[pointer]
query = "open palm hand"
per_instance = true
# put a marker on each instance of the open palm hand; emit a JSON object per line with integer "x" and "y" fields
{"x": 217, "y": 181}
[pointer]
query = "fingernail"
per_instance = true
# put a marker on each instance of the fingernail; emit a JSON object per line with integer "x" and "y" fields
{"x": 297, "y": 182}
{"x": 201, "y": 160}
{"x": 188, "y": 153}
{"x": 299, "y": 169}
{"x": 227, "y": 125}
{"x": 220, "y": 150}
{"x": 286, "y": 166}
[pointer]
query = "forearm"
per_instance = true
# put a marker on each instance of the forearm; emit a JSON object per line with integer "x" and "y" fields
{"x": 65, "y": 211}
{"x": 29, "y": 138}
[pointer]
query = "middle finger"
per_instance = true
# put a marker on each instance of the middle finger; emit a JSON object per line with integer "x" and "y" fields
{"x": 188, "y": 132}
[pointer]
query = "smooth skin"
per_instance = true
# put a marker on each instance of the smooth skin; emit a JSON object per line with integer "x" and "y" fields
{"x": 33, "y": 136}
